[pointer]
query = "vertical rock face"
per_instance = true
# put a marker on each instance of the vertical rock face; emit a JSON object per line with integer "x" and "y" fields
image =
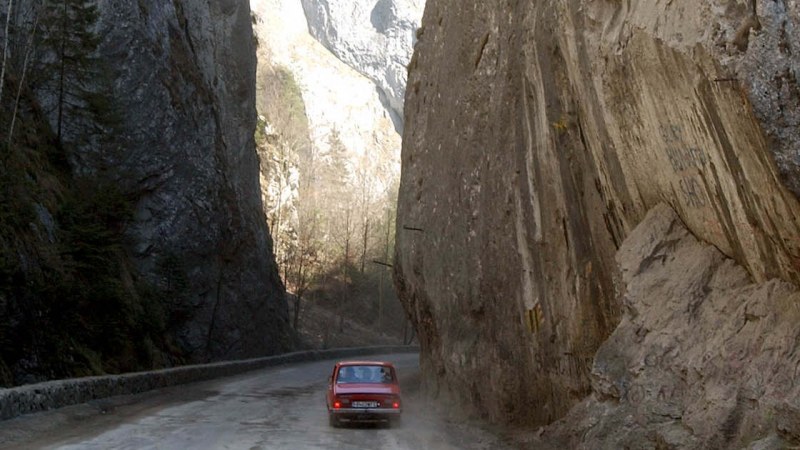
{"x": 185, "y": 82}
{"x": 538, "y": 135}
{"x": 375, "y": 38}
{"x": 336, "y": 98}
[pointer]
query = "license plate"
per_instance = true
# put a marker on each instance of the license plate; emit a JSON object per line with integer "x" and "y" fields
{"x": 365, "y": 404}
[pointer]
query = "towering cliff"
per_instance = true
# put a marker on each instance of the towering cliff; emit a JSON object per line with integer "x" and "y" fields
{"x": 187, "y": 86}
{"x": 538, "y": 136}
{"x": 135, "y": 152}
{"x": 375, "y": 38}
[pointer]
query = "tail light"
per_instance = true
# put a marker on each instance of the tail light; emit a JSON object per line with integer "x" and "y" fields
{"x": 396, "y": 405}
{"x": 341, "y": 401}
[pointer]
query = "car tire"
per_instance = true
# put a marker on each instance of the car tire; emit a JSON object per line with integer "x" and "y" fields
{"x": 333, "y": 421}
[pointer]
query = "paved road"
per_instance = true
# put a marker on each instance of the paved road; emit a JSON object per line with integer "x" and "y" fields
{"x": 276, "y": 408}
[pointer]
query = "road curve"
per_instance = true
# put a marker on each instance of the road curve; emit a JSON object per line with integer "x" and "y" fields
{"x": 276, "y": 408}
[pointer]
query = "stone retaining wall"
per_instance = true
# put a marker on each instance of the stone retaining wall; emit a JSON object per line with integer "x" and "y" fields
{"x": 59, "y": 393}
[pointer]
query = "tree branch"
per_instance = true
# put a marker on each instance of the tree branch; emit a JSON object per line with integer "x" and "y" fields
{"x": 5, "y": 48}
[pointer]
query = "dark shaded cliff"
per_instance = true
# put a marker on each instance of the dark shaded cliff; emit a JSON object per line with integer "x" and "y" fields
{"x": 187, "y": 84}
{"x": 538, "y": 135}
{"x": 137, "y": 238}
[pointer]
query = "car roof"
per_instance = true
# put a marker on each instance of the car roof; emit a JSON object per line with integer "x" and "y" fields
{"x": 365, "y": 363}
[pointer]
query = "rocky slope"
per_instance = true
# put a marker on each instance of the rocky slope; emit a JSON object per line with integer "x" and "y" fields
{"x": 703, "y": 357}
{"x": 376, "y": 38}
{"x": 538, "y": 136}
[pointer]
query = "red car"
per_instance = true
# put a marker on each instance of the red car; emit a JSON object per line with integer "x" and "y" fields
{"x": 363, "y": 391}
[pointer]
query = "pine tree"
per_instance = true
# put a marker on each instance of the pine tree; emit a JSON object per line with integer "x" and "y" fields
{"x": 77, "y": 78}
{"x": 335, "y": 176}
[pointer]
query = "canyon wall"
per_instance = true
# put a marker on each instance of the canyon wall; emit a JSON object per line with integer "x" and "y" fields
{"x": 185, "y": 79}
{"x": 132, "y": 233}
{"x": 539, "y": 135}
{"x": 336, "y": 99}
{"x": 375, "y": 38}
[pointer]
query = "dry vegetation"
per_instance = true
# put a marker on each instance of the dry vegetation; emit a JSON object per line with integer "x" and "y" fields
{"x": 332, "y": 227}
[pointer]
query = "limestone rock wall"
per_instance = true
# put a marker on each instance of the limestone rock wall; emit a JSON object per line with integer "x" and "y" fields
{"x": 336, "y": 98}
{"x": 185, "y": 79}
{"x": 703, "y": 357}
{"x": 375, "y": 38}
{"x": 537, "y": 137}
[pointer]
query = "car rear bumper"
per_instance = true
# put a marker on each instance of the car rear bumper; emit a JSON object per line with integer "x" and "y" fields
{"x": 366, "y": 414}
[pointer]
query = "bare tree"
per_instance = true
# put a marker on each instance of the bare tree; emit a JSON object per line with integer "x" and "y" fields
{"x": 28, "y": 51}
{"x": 283, "y": 150}
{"x": 6, "y": 43}
{"x": 365, "y": 202}
{"x": 305, "y": 264}
{"x": 364, "y": 242}
{"x": 328, "y": 231}
{"x": 280, "y": 165}
{"x": 346, "y": 233}
{"x": 383, "y": 271}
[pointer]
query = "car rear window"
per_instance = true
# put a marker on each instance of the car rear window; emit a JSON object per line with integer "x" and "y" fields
{"x": 365, "y": 374}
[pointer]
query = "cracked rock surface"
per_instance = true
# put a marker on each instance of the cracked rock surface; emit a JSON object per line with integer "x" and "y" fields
{"x": 703, "y": 357}
{"x": 184, "y": 74}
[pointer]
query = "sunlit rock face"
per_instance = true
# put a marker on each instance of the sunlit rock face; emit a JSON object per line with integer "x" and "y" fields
{"x": 703, "y": 357}
{"x": 375, "y": 38}
{"x": 185, "y": 82}
{"x": 539, "y": 134}
{"x": 337, "y": 99}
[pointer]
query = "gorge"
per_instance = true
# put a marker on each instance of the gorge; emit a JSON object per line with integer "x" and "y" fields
{"x": 596, "y": 237}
